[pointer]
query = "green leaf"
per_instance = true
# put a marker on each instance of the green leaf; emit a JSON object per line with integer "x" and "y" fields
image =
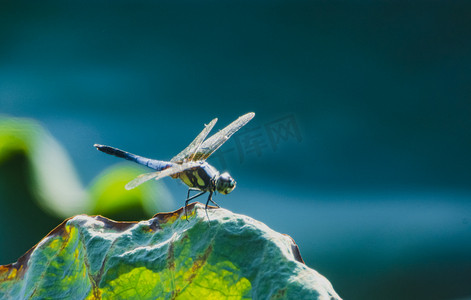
{"x": 51, "y": 177}
{"x": 166, "y": 257}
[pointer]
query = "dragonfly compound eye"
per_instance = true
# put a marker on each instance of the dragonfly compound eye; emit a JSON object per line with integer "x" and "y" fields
{"x": 225, "y": 183}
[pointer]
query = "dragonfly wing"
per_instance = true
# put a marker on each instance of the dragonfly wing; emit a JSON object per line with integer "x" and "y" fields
{"x": 141, "y": 179}
{"x": 189, "y": 152}
{"x": 217, "y": 140}
{"x": 175, "y": 169}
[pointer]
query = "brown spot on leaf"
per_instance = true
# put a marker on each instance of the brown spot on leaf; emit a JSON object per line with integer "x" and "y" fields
{"x": 279, "y": 295}
{"x": 199, "y": 262}
{"x": 166, "y": 217}
{"x": 171, "y": 257}
{"x": 154, "y": 225}
{"x": 295, "y": 249}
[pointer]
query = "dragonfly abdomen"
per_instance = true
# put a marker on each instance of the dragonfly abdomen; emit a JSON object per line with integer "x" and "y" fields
{"x": 158, "y": 165}
{"x": 151, "y": 163}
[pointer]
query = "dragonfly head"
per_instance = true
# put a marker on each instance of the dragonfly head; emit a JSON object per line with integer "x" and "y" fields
{"x": 225, "y": 183}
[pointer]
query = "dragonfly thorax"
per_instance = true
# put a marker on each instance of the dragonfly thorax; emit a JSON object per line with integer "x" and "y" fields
{"x": 225, "y": 183}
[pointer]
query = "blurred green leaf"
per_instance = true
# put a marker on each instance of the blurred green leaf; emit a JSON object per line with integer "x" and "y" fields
{"x": 166, "y": 257}
{"x": 112, "y": 200}
{"x": 39, "y": 186}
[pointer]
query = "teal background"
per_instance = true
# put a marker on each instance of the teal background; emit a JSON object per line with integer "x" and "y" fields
{"x": 376, "y": 192}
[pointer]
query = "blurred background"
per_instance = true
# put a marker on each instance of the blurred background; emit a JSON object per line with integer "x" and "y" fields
{"x": 360, "y": 148}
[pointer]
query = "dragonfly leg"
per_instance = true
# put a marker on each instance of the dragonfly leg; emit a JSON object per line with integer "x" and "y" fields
{"x": 212, "y": 201}
{"x": 206, "y": 207}
{"x": 188, "y": 199}
{"x": 189, "y": 190}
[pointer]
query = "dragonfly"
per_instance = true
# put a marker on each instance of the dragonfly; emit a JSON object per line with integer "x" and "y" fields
{"x": 190, "y": 165}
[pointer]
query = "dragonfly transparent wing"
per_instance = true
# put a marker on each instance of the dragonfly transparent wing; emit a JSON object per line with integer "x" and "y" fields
{"x": 214, "y": 142}
{"x": 175, "y": 169}
{"x": 192, "y": 149}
